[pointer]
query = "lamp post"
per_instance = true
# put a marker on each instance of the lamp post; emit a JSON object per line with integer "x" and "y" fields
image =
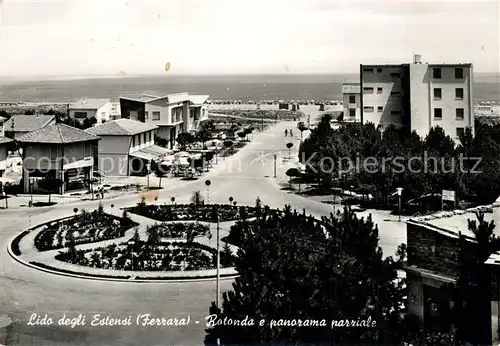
{"x": 172, "y": 200}
{"x": 274, "y": 165}
{"x": 399, "y": 192}
{"x": 207, "y": 184}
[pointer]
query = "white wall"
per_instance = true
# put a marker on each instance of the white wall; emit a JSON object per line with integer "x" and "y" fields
{"x": 142, "y": 140}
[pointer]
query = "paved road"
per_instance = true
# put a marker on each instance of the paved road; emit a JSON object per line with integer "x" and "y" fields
{"x": 24, "y": 291}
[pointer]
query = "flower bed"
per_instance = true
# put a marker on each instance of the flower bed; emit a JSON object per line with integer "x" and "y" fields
{"x": 179, "y": 230}
{"x": 137, "y": 255}
{"x": 260, "y": 114}
{"x": 15, "y": 243}
{"x": 81, "y": 229}
{"x": 191, "y": 212}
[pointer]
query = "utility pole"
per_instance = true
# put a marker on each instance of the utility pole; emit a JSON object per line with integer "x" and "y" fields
{"x": 217, "y": 288}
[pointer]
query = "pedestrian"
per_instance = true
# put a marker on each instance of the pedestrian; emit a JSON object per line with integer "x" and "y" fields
{"x": 291, "y": 134}
{"x": 286, "y": 133}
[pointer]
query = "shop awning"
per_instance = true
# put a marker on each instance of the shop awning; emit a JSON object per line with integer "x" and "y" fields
{"x": 153, "y": 152}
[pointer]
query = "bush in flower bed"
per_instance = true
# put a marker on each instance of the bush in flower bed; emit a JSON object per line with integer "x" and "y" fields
{"x": 42, "y": 265}
{"x": 138, "y": 255}
{"x": 204, "y": 212}
{"x": 179, "y": 230}
{"x": 86, "y": 227}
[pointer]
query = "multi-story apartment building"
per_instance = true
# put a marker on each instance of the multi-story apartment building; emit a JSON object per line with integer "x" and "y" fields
{"x": 352, "y": 102}
{"x": 172, "y": 114}
{"x": 418, "y": 96}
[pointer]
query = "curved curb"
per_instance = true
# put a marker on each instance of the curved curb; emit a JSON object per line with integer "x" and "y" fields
{"x": 102, "y": 278}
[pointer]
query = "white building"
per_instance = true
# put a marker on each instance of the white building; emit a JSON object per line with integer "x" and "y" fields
{"x": 352, "y": 102}
{"x": 87, "y": 108}
{"x": 418, "y": 96}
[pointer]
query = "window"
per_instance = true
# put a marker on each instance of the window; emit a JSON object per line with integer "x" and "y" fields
{"x": 143, "y": 138}
{"x": 395, "y": 74}
{"x": 156, "y": 115}
{"x": 149, "y": 136}
{"x": 380, "y": 109}
{"x": 459, "y": 93}
{"x": 459, "y": 73}
{"x": 352, "y": 99}
{"x": 438, "y": 113}
{"x": 352, "y": 113}
{"x": 395, "y": 93}
{"x": 367, "y": 69}
{"x": 367, "y": 90}
{"x": 459, "y": 112}
{"x": 80, "y": 115}
{"x": 438, "y": 93}
{"x": 379, "y": 70}
{"x": 395, "y": 112}
{"x": 460, "y": 131}
{"x": 368, "y": 109}
{"x": 379, "y": 90}
{"x": 436, "y": 73}
{"x": 146, "y": 115}
{"x": 133, "y": 141}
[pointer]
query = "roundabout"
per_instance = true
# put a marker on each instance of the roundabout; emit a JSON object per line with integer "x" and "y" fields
{"x": 26, "y": 290}
{"x": 132, "y": 247}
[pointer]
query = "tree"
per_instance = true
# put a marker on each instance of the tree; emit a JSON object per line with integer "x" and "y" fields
{"x": 29, "y": 112}
{"x": 290, "y": 173}
{"x": 302, "y": 127}
{"x": 228, "y": 144}
{"x": 289, "y": 145}
{"x": 50, "y": 185}
{"x": 340, "y": 118}
{"x": 289, "y": 269}
{"x": 197, "y": 198}
{"x": 185, "y": 139}
{"x": 204, "y": 134}
{"x": 162, "y": 142}
{"x": 241, "y": 134}
{"x": 248, "y": 131}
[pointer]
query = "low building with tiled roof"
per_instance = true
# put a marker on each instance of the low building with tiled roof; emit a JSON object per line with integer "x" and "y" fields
{"x": 4, "y": 153}
{"x": 19, "y": 125}
{"x": 432, "y": 250}
{"x": 173, "y": 113}
{"x": 126, "y": 147}
{"x": 87, "y": 108}
{"x": 58, "y": 151}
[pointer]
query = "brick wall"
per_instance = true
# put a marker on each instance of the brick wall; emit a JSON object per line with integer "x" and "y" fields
{"x": 431, "y": 250}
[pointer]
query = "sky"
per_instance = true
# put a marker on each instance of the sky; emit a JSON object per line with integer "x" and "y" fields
{"x": 109, "y": 37}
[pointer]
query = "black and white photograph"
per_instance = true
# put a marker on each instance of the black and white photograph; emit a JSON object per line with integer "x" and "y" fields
{"x": 266, "y": 172}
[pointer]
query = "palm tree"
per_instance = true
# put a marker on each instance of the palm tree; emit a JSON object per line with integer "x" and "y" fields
{"x": 197, "y": 198}
{"x": 95, "y": 260}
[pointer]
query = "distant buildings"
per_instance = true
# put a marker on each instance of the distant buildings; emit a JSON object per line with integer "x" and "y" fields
{"x": 432, "y": 243}
{"x": 58, "y": 151}
{"x": 4, "y": 153}
{"x": 352, "y": 102}
{"x": 126, "y": 146}
{"x": 172, "y": 114}
{"x": 87, "y": 108}
{"x": 19, "y": 125}
{"x": 418, "y": 96}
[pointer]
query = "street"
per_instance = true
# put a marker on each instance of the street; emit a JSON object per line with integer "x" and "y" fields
{"x": 245, "y": 176}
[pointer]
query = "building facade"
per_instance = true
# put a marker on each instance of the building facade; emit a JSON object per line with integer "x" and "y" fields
{"x": 87, "y": 108}
{"x": 352, "y": 102}
{"x": 417, "y": 96}
{"x": 126, "y": 147}
{"x": 4, "y": 153}
{"x": 172, "y": 114}
{"x": 433, "y": 244}
{"x": 58, "y": 151}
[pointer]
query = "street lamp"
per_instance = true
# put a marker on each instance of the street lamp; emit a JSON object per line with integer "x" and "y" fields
{"x": 172, "y": 200}
{"x": 207, "y": 184}
{"x": 399, "y": 192}
{"x": 231, "y": 200}
{"x": 275, "y": 165}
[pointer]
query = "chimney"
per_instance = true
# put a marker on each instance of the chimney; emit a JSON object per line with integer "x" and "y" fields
{"x": 417, "y": 58}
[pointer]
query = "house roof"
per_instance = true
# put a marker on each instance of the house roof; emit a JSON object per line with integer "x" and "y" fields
{"x": 57, "y": 134}
{"x": 85, "y": 103}
{"x": 27, "y": 123}
{"x": 121, "y": 127}
{"x": 171, "y": 98}
{"x": 198, "y": 99}
{"x": 5, "y": 140}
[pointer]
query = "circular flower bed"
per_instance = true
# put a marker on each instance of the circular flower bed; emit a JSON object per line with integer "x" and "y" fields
{"x": 202, "y": 212}
{"x": 86, "y": 227}
{"x": 137, "y": 255}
